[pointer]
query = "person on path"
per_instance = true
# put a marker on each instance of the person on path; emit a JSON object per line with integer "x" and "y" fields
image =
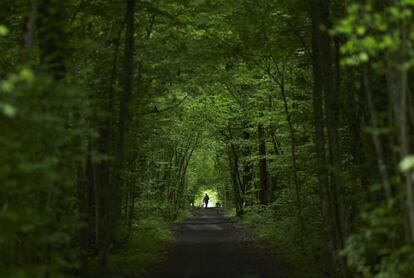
{"x": 205, "y": 200}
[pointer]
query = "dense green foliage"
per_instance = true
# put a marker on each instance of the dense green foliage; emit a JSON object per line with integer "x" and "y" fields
{"x": 116, "y": 116}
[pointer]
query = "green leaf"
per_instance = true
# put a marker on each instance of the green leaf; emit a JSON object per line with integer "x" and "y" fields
{"x": 197, "y": 2}
{"x": 8, "y": 110}
{"x": 360, "y": 30}
{"x": 3, "y": 30}
{"x": 27, "y": 75}
{"x": 7, "y": 86}
{"x": 407, "y": 163}
{"x": 363, "y": 57}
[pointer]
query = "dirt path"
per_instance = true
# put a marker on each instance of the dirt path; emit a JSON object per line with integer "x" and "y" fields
{"x": 210, "y": 245}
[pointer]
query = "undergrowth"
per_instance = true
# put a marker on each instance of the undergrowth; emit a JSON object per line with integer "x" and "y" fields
{"x": 277, "y": 230}
{"x": 146, "y": 249}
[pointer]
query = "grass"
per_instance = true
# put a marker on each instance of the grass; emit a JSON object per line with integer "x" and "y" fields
{"x": 183, "y": 214}
{"x": 146, "y": 249}
{"x": 230, "y": 212}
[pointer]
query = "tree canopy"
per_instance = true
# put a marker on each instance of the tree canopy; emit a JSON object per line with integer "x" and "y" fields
{"x": 117, "y": 116}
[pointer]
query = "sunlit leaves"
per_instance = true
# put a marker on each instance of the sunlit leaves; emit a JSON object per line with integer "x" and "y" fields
{"x": 3, "y": 30}
{"x": 371, "y": 33}
{"x": 7, "y": 86}
{"x": 8, "y": 110}
{"x": 407, "y": 163}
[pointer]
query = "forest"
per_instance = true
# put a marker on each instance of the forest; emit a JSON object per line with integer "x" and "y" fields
{"x": 117, "y": 116}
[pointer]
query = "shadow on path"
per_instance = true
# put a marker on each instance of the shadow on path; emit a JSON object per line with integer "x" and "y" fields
{"x": 211, "y": 245}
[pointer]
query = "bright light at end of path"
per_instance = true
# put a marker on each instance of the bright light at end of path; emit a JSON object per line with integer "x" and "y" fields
{"x": 212, "y": 194}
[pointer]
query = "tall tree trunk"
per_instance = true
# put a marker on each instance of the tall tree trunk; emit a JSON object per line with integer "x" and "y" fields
{"x": 318, "y": 113}
{"x": 398, "y": 90}
{"x": 325, "y": 96}
{"x": 235, "y": 183}
{"x": 264, "y": 184}
{"x": 29, "y": 32}
{"x": 238, "y": 192}
{"x": 104, "y": 146}
{"x": 375, "y": 137}
{"x": 86, "y": 185}
{"x": 114, "y": 200}
{"x": 247, "y": 165}
{"x": 293, "y": 154}
{"x": 331, "y": 105}
{"x": 52, "y": 37}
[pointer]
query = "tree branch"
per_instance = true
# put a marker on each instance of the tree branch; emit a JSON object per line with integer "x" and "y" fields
{"x": 155, "y": 110}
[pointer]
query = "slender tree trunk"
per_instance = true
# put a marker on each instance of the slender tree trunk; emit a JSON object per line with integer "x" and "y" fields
{"x": 52, "y": 37}
{"x": 274, "y": 186}
{"x": 86, "y": 211}
{"x": 377, "y": 142}
{"x": 318, "y": 113}
{"x": 239, "y": 195}
{"x": 247, "y": 165}
{"x": 104, "y": 146}
{"x": 398, "y": 87}
{"x": 294, "y": 159}
{"x": 264, "y": 184}
{"x": 331, "y": 105}
{"x": 405, "y": 138}
{"x": 325, "y": 96}
{"x": 235, "y": 184}
{"x": 29, "y": 32}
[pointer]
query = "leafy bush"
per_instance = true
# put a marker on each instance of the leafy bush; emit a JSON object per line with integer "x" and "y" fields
{"x": 42, "y": 149}
{"x": 376, "y": 250}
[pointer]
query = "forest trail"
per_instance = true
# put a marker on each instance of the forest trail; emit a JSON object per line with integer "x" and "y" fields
{"x": 211, "y": 245}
